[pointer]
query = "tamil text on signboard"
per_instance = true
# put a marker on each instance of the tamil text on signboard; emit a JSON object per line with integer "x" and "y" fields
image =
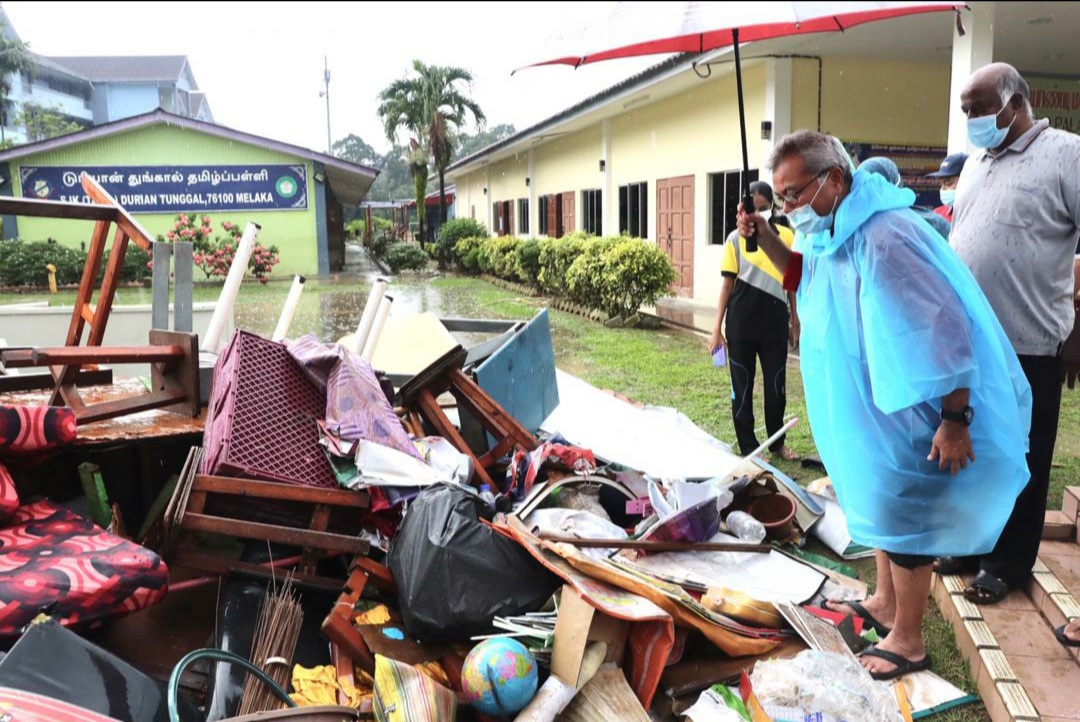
{"x": 175, "y": 188}
{"x": 1057, "y": 99}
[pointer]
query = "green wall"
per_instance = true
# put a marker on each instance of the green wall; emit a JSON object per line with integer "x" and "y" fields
{"x": 293, "y": 232}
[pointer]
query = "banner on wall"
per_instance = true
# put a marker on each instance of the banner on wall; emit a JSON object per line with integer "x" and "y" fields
{"x": 176, "y": 188}
{"x": 1057, "y": 99}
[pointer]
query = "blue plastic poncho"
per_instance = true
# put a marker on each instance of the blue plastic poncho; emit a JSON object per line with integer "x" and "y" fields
{"x": 892, "y": 321}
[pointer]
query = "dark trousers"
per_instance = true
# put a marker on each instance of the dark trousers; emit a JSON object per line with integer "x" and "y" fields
{"x": 1014, "y": 555}
{"x": 742, "y": 358}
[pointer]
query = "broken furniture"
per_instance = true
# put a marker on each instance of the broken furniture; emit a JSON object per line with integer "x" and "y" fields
{"x": 174, "y": 363}
{"x": 268, "y": 511}
{"x": 338, "y": 626}
{"x": 446, "y": 375}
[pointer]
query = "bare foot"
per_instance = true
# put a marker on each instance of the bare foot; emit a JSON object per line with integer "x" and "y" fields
{"x": 883, "y": 613}
{"x": 1072, "y": 630}
{"x": 788, "y": 454}
{"x": 913, "y": 650}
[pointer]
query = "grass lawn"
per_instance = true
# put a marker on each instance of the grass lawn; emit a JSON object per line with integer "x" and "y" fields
{"x": 665, "y": 367}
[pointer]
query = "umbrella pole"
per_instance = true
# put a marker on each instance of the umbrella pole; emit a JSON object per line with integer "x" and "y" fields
{"x": 748, "y": 201}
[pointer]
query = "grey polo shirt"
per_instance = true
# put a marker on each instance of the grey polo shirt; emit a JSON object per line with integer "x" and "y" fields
{"x": 1015, "y": 224}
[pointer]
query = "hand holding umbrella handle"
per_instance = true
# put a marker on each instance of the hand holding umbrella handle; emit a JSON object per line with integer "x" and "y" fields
{"x": 751, "y": 237}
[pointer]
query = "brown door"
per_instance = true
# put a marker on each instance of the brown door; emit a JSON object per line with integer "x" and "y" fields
{"x": 509, "y": 213}
{"x": 555, "y": 229}
{"x": 675, "y": 229}
{"x": 335, "y": 234}
{"x": 567, "y": 213}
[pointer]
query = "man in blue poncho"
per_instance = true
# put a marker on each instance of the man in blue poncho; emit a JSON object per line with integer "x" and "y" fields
{"x": 917, "y": 403}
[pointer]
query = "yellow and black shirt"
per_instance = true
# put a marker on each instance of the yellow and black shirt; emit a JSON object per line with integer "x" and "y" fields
{"x": 757, "y": 308}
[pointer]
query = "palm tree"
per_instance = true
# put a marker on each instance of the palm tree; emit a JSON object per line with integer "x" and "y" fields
{"x": 14, "y": 58}
{"x": 431, "y": 105}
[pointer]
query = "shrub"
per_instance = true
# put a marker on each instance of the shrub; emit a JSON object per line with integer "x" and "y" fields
{"x": 498, "y": 256}
{"x": 23, "y": 264}
{"x": 528, "y": 262}
{"x": 635, "y": 273}
{"x": 136, "y": 267}
{"x": 354, "y": 230}
{"x": 455, "y": 230}
{"x": 585, "y": 277}
{"x": 556, "y": 257}
{"x": 467, "y": 253}
{"x": 406, "y": 256}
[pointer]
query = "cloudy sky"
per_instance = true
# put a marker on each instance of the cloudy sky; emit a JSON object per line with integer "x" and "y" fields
{"x": 261, "y": 64}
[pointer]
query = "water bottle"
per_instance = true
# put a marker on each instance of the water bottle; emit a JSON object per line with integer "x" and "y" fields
{"x": 487, "y": 495}
{"x": 746, "y": 527}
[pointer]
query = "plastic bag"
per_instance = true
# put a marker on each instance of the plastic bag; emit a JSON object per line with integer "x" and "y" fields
{"x": 455, "y": 574}
{"x": 832, "y": 684}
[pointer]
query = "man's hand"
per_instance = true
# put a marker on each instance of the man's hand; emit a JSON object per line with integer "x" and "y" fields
{"x": 794, "y": 336}
{"x": 951, "y": 447}
{"x": 749, "y": 222}
{"x": 716, "y": 340}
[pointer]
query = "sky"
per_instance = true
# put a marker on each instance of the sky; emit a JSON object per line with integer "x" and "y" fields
{"x": 261, "y": 64}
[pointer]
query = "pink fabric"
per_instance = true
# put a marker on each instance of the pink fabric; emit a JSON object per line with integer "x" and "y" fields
{"x": 9, "y": 498}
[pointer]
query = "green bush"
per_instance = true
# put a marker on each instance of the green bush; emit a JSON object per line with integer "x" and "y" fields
{"x": 453, "y": 231}
{"x": 498, "y": 256}
{"x": 136, "y": 267}
{"x": 528, "y": 262}
{"x": 406, "y": 256}
{"x": 23, "y": 264}
{"x": 354, "y": 230}
{"x": 467, "y": 253}
{"x": 585, "y": 277}
{"x": 556, "y": 257}
{"x": 635, "y": 273}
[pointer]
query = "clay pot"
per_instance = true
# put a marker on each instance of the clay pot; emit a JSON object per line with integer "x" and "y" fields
{"x": 775, "y": 512}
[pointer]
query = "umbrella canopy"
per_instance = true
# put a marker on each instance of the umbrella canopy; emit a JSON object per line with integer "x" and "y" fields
{"x": 650, "y": 28}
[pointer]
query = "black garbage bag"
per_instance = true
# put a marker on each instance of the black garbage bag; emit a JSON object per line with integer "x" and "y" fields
{"x": 454, "y": 574}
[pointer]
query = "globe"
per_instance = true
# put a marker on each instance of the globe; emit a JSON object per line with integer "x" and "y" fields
{"x": 499, "y": 677}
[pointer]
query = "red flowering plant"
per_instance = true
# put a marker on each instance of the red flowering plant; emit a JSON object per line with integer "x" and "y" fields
{"x": 214, "y": 255}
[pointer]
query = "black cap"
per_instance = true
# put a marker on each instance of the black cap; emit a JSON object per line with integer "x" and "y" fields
{"x": 951, "y": 166}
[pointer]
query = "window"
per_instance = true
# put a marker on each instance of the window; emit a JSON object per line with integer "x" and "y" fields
{"x": 592, "y": 212}
{"x": 544, "y": 202}
{"x": 724, "y": 191}
{"x": 523, "y": 215}
{"x": 634, "y": 209}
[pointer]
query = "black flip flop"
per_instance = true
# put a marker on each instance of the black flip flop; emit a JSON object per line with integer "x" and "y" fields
{"x": 948, "y": 566}
{"x": 996, "y": 588}
{"x": 903, "y": 664}
{"x": 1060, "y": 634}
{"x": 860, "y": 612}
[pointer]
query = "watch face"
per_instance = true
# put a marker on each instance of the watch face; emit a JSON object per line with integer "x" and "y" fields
{"x": 969, "y": 415}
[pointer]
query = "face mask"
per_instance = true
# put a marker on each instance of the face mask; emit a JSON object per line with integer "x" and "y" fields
{"x": 984, "y": 133}
{"x": 766, "y": 214}
{"x": 948, "y": 196}
{"x": 806, "y": 220}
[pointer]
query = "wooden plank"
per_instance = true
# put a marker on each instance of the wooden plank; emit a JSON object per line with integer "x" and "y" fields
{"x": 87, "y": 314}
{"x": 159, "y": 303}
{"x": 222, "y": 565}
{"x": 132, "y": 228}
{"x": 282, "y": 492}
{"x": 86, "y": 285}
{"x": 35, "y": 208}
{"x": 77, "y": 355}
{"x": 429, "y": 409}
{"x": 473, "y": 398}
{"x": 181, "y": 375}
{"x": 183, "y": 286}
{"x": 108, "y": 287}
{"x": 269, "y": 532}
{"x": 657, "y": 546}
{"x": 123, "y": 407}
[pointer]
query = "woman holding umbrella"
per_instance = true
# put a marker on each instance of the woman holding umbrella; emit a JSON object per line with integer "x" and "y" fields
{"x": 914, "y": 395}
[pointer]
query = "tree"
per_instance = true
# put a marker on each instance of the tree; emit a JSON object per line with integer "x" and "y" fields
{"x": 14, "y": 59}
{"x": 469, "y": 144}
{"x": 431, "y": 105}
{"x": 353, "y": 149}
{"x": 42, "y": 123}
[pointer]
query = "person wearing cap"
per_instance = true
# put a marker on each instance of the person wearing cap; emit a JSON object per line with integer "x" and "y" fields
{"x": 949, "y": 173}
{"x": 755, "y": 308}
{"x": 887, "y": 169}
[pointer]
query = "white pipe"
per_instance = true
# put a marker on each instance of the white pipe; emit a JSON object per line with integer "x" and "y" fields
{"x": 377, "y": 328}
{"x": 363, "y": 329}
{"x": 289, "y": 310}
{"x": 224, "y": 308}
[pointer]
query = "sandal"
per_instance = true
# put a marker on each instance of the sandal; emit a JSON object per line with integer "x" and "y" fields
{"x": 948, "y": 566}
{"x": 903, "y": 664}
{"x": 985, "y": 588}
{"x": 859, "y": 611}
{"x": 1060, "y": 634}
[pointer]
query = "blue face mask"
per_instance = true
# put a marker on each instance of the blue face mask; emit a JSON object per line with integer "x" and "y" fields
{"x": 948, "y": 196}
{"x": 806, "y": 220}
{"x": 984, "y": 133}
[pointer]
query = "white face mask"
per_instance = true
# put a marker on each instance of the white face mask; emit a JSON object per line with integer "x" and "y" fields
{"x": 766, "y": 214}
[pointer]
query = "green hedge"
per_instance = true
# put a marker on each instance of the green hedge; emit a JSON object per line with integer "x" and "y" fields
{"x": 23, "y": 263}
{"x": 406, "y": 256}
{"x": 453, "y": 231}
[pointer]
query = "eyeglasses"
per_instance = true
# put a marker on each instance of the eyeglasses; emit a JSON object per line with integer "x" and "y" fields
{"x": 793, "y": 198}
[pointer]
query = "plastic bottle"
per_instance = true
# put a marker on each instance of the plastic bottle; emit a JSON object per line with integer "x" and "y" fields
{"x": 487, "y": 495}
{"x": 746, "y": 527}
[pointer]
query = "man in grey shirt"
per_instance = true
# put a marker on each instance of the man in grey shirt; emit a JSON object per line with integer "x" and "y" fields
{"x": 1016, "y": 221}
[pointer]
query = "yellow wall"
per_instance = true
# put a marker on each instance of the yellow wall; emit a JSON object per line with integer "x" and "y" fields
{"x": 569, "y": 163}
{"x": 874, "y": 101}
{"x": 507, "y": 181}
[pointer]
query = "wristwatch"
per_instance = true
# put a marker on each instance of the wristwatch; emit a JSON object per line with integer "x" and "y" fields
{"x": 965, "y": 416}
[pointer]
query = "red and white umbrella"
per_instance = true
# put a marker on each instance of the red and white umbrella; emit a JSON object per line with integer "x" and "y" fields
{"x": 654, "y": 28}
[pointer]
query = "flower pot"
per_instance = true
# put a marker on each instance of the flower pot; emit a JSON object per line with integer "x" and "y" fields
{"x": 776, "y": 512}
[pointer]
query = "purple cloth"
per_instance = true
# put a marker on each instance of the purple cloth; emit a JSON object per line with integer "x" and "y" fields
{"x": 356, "y": 407}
